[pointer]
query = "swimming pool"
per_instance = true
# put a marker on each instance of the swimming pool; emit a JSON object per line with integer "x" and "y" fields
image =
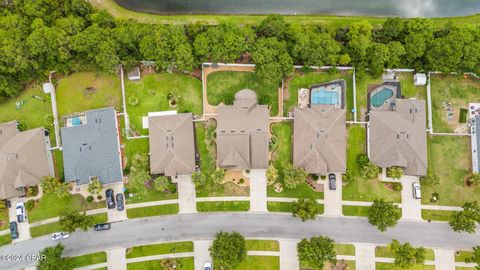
{"x": 379, "y": 98}
{"x": 324, "y": 97}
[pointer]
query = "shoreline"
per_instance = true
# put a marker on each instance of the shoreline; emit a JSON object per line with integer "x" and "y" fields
{"x": 329, "y": 20}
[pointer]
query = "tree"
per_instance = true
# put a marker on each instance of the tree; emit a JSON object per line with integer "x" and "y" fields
{"x": 392, "y": 30}
{"x": 475, "y": 257}
{"x": 396, "y": 54}
{"x": 378, "y": 56}
{"x": 139, "y": 173}
{"x": 430, "y": 179}
{"x": 362, "y": 160}
{"x": 273, "y": 26}
{"x": 218, "y": 176}
{"x": 95, "y": 187}
{"x": 200, "y": 179}
{"x": 370, "y": 170}
{"x": 51, "y": 184}
{"x": 272, "y": 60}
{"x": 383, "y": 214}
{"x": 359, "y": 40}
{"x": 305, "y": 208}
{"x": 293, "y": 176}
{"x": 53, "y": 258}
{"x": 405, "y": 256}
{"x": 316, "y": 251}
{"x": 70, "y": 220}
{"x": 228, "y": 249}
{"x": 466, "y": 220}
{"x": 395, "y": 172}
{"x": 161, "y": 183}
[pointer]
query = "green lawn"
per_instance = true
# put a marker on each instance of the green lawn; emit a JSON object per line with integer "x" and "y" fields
{"x": 356, "y": 144}
{"x": 437, "y": 215}
{"x": 279, "y": 207}
{"x": 409, "y": 90}
{"x": 353, "y": 210}
{"x": 385, "y": 252}
{"x": 182, "y": 264}
{"x": 86, "y": 260}
{"x": 453, "y": 89}
{"x": 463, "y": 255}
{"x": 5, "y": 239}
{"x": 222, "y": 86}
{"x": 345, "y": 249}
{"x": 73, "y": 96}
{"x": 158, "y": 210}
{"x": 58, "y": 163}
{"x": 134, "y": 146}
{"x": 55, "y": 226}
{"x": 449, "y": 158}
{"x": 222, "y": 206}
{"x": 259, "y": 262}
{"x": 305, "y": 80}
{"x": 391, "y": 266}
{"x": 152, "y": 91}
{"x": 4, "y": 218}
{"x": 50, "y": 206}
{"x": 363, "y": 80}
{"x": 302, "y": 190}
{"x": 264, "y": 245}
{"x": 157, "y": 249}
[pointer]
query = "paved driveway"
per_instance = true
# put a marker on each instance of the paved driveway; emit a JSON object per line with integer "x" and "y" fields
{"x": 288, "y": 255}
{"x": 186, "y": 194}
{"x": 23, "y": 227}
{"x": 333, "y": 198}
{"x": 201, "y": 253}
{"x": 113, "y": 214}
{"x": 365, "y": 256}
{"x": 258, "y": 190}
{"x": 411, "y": 207}
{"x": 116, "y": 259}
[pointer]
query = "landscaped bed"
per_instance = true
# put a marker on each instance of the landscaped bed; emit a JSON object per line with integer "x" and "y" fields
{"x": 222, "y": 206}
{"x": 222, "y": 86}
{"x": 263, "y": 245}
{"x": 449, "y": 157}
{"x": 86, "y": 260}
{"x": 49, "y": 228}
{"x": 182, "y": 264}
{"x": 305, "y": 80}
{"x": 158, "y": 210}
{"x": 161, "y": 92}
{"x": 157, "y": 249}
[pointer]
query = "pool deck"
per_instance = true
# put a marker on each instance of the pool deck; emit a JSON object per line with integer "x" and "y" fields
{"x": 390, "y": 102}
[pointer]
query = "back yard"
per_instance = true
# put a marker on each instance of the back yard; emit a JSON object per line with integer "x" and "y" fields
{"x": 161, "y": 92}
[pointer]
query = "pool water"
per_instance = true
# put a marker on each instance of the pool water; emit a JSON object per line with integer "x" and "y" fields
{"x": 379, "y": 98}
{"x": 324, "y": 97}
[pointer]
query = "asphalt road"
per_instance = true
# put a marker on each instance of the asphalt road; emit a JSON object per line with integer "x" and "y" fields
{"x": 204, "y": 226}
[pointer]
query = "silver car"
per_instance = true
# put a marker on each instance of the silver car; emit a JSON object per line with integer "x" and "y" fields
{"x": 60, "y": 236}
{"x": 417, "y": 193}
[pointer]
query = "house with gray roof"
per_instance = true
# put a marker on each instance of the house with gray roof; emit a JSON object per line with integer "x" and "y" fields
{"x": 243, "y": 133}
{"x": 172, "y": 144}
{"x": 23, "y": 159}
{"x": 319, "y": 139}
{"x": 398, "y": 137}
{"x": 91, "y": 147}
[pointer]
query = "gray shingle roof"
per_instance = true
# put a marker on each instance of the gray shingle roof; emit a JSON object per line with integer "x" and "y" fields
{"x": 319, "y": 141}
{"x": 92, "y": 150}
{"x": 398, "y": 138}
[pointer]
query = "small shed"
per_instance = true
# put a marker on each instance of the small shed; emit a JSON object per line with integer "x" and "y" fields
{"x": 48, "y": 88}
{"x": 134, "y": 74}
{"x": 419, "y": 79}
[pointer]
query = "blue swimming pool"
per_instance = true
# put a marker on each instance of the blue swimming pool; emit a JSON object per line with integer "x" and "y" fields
{"x": 379, "y": 98}
{"x": 324, "y": 97}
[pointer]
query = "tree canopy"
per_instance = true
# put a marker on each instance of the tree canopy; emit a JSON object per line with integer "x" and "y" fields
{"x": 383, "y": 214}
{"x": 466, "y": 220}
{"x": 316, "y": 251}
{"x": 53, "y": 258}
{"x": 405, "y": 256}
{"x": 305, "y": 208}
{"x": 228, "y": 250}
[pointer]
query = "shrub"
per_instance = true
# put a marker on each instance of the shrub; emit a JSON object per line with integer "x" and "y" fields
{"x": 306, "y": 69}
{"x": 241, "y": 181}
{"x": 315, "y": 176}
{"x": 332, "y": 70}
{"x": 99, "y": 197}
{"x": 90, "y": 199}
{"x": 323, "y": 177}
{"x": 29, "y": 205}
{"x": 362, "y": 160}
{"x": 21, "y": 125}
{"x": 397, "y": 186}
{"x": 228, "y": 99}
{"x": 33, "y": 191}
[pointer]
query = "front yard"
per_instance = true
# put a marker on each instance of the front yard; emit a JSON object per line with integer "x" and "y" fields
{"x": 182, "y": 264}
{"x": 223, "y": 206}
{"x": 158, "y": 249}
{"x": 156, "y": 92}
{"x": 449, "y": 157}
{"x": 222, "y": 86}
{"x": 157, "y": 210}
{"x": 259, "y": 262}
{"x": 86, "y": 260}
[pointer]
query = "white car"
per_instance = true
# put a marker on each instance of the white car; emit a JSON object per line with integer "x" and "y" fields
{"x": 417, "y": 193}
{"x": 20, "y": 211}
{"x": 207, "y": 266}
{"x": 60, "y": 236}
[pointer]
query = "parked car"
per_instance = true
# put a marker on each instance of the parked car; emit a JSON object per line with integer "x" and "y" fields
{"x": 207, "y": 266}
{"x": 13, "y": 230}
{"x": 110, "y": 199}
{"x": 60, "y": 236}
{"x": 417, "y": 193}
{"x": 119, "y": 198}
{"x": 20, "y": 211}
{"x": 332, "y": 181}
{"x": 102, "y": 227}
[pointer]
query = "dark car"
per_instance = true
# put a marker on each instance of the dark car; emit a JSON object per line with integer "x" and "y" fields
{"x": 332, "y": 181}
{"x": 102, "y": 227}
{"x": 110, "y": 199}
{"x": 119, "y": 198}
{"x": 13, "y": 230}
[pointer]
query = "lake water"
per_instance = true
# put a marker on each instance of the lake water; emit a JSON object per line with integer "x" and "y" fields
{"x": 398, "y": 8}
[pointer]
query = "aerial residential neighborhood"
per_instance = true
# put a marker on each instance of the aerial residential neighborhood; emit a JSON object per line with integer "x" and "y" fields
{"x": 200, "y": 136}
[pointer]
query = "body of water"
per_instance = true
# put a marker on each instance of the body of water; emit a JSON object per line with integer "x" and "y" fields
{"x": 397, "y": 8}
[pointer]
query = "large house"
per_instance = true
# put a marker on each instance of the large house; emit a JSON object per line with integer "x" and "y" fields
{"x": 91, "y": 147}
{"x": 242, "y": 133}
{"x": 23, "y": 159}
{"x": 319, "y": 144}
{"x": 397, "y": 137}
{"x": 172, "y": 144}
